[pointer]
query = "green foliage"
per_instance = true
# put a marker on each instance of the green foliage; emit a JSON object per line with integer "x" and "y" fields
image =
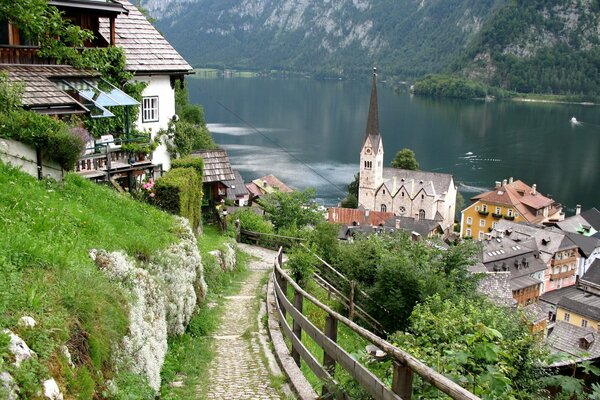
{"x": 41, "y": 131}
{"x": 485, "y": 348}
{"x": 48, "y": 229}
{"x": 190, "y": 113}
{"x": 351, "y": 201}
{"x": 251, "y": 221}
{"x": 179, "y": 192}
{"x": 449, "y": 86}
{"x": 324, "y": 240}
{"x": 10, "y": 94}
{"x": 398, "y": 273}
{"x": 405, "y": 159}
{"x": 189, "y": 162}
{"x": 301, "y": 264}
{"x": 132, "y": 387}
{"x": 296, "y": 209}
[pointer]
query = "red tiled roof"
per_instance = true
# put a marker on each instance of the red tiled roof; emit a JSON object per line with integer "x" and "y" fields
{"x": 348, "y": 216}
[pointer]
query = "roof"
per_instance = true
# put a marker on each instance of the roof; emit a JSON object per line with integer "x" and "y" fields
{"x": 433, "y": 183}
{"x": 592, "y": 216}
{"x": 575, "y": 224}
{"x": 40, "y": 91}
{"x": 523, "y": 282}
{"x": 236, "y": 187}
{"x": 106, "y": 7}
{"x": 583, "y": 303}
{"x": 146, "y": 50}
{"x": 566, "y": 338}
{"x": 216, "y": 165}
{"x": 423, "y": 227}
{"x": 269, "y": 184}
{"x": 254, "y": 189}
{"x": 592, "y": 275}
{"x": 496, "y": 286}
{"x": 535, "y": 313}
{"x": 521, "y": 196}
{"x": 553, "y": 296}
{"x": 372, "y": 130}
{"x": 587, "y": 244}
{"x": 349, "y": 216}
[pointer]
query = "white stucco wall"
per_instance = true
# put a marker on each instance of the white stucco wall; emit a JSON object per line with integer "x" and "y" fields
{"x": 158, "y": 85}
{"x": 24, "y": 156}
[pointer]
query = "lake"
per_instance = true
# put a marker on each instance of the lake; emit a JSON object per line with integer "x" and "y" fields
{"x": 309, "y": 133}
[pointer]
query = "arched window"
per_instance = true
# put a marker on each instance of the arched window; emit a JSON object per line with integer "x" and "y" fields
{"x": 421, "y": 214}
{"x": 383, "y": 208}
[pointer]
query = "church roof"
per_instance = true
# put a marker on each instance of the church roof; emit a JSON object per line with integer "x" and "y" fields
{"x": 433, "y": 183}
{"x": 372, "y": 130}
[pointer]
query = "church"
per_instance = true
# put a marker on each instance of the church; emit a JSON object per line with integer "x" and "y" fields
{"x": 417, "y": 194}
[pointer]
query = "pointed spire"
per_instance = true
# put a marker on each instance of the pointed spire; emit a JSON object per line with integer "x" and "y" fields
{"x": 373, "y": 121}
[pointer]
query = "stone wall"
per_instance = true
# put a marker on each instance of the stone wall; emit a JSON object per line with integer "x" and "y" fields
{"x": 24, "y": 156}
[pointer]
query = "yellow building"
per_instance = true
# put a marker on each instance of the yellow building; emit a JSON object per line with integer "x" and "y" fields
{"x": 511, "y": 200}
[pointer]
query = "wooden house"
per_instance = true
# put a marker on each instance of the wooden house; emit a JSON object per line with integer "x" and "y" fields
{"x": 215, "y": 175}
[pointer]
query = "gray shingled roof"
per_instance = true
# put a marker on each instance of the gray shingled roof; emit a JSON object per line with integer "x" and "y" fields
{"x": 146, "y": 50}
{"x": 496, "y": 286}
{"x": 592, "y": 216}
{"x": 422, "y": 226}
{"x": 553, "y": 296}
{"x": 40, "y": 91}
{"x": 565, "y": 338}
{"x": 523, "y": 282}
{"x": 216, "y": 165}
{"x": 583, "y": 303}
{"x": 236, "y": 187}
{"x": 587, "y": 244}
{"x": 593, "y": 273}
{"x": 434, "y": 183}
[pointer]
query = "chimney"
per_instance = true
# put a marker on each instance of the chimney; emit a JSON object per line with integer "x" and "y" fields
{"x": 366, "y": 213}
{"x": 264, "y": 184}
{"x": 397, "y": 224}
{"x": 497, "y": 184}
{"x": 534, "y": 189}
{"x": 510, "y": 180}
{"x": 504, "y": 182}
{"x": 578, "y": 209}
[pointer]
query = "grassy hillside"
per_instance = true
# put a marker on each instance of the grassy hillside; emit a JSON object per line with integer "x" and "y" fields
{"x": 46, "y": 232}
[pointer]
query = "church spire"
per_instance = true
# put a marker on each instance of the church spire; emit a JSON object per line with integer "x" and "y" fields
{"x": 373, "y": 121}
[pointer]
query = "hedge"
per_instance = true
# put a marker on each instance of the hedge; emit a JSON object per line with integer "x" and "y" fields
{"x": 43, "y": 132}
{"x": 189, "y": 162}
{"x": 179, "y": 191}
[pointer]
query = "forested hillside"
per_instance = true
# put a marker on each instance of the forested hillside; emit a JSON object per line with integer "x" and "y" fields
{"x": 404, "y": 38}
{"x": 550, "y": 46}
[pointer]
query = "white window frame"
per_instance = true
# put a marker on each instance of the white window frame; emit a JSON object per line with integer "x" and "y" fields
{"x": 480, "y": 235}
{"x": 468, "y": 232}
{"x": 469, "y": 221}
{"x": 584, "y": 323}
{"x": 482, "y": 223}
{"x": 498, "y": 210}
{"x": 567, "y": 317}
{"x": 509, "y": 212}
{"x": 150, "y": 109}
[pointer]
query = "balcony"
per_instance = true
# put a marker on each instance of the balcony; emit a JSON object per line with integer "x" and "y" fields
{"x": 561, "y": 275}
{"x": 22, "y": 55}
{"x": 483, "y": 213}
{"x": 509, "y": 217}
{"x": 496, "y": 216}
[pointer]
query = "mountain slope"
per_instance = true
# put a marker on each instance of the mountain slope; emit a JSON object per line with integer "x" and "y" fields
{"x": 404, "y": 38}
{"x": 539, "y": 45}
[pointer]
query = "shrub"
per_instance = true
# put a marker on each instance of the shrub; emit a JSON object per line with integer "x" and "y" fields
{"x": 251, "y": 221}
{"x": 179, "y": 191}
{"x": 189, "y": 162}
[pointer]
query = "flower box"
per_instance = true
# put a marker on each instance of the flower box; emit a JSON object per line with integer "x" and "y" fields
{"x": 484, "y": 213}
{"x": 497, "y": 216}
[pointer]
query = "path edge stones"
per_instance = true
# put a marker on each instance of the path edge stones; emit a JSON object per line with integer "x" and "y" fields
{"x": 298, "y": 382}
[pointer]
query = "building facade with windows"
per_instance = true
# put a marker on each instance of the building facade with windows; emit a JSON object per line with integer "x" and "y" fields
{"x": 155, "y": 62}
{"x": 509, "y": 200}
{"x": 419, "y": 195}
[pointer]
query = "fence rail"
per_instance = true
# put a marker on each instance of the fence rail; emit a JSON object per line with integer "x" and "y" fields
{"x": 404, "y": 365}
{"x": 268, "y": 240}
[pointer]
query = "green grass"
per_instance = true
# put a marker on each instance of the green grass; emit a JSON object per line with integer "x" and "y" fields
{"x": 47, "y": 231}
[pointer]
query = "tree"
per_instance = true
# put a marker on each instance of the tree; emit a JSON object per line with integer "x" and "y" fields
{"x": 405, "y": 159}
{"x": 291, "y": 210}
{"x": 351, "y": 200}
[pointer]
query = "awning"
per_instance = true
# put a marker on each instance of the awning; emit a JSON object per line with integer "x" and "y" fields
{"x": 96, "y": 100}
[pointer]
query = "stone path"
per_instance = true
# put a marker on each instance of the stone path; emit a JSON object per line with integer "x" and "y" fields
{"x": 239, "y": 370}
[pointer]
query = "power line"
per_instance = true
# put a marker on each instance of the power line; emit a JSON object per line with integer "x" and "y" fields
{"x": 289, "y": 153}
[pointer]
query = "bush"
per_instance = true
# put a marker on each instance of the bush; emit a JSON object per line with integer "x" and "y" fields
{"x": 41, "y": 131}
{"x": 179, "y": 191}
{"x": 251, "y": 221}
{"x": 189, "y": 162}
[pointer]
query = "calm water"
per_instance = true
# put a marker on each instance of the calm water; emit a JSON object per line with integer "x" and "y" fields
{"x": 309, "y": 133}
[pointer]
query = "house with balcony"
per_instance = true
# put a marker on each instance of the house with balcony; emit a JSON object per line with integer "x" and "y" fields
{"x": 509, "y": 200}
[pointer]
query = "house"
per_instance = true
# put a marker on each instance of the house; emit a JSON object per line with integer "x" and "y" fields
{"x": 510, "y": 200}
{"x": 522, "y": 261}
{"x": 357, "y": 216}
{"x": 556, "y": 250}
{"x": 415, "y": 194}
{"x": 425, "y": 228}
{"x": 236, "y": 190}
{"x": 265, "y": 185}
{"x": 577, "y": 343}
{"x": 589, "y": 250}
{"x": 154, "y": 61}
{"x": 585, "y": 223}
{"x": 216, "y": 171}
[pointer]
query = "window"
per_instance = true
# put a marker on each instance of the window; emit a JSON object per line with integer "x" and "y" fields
{"x": 494, "y": 225}
{"x": 480, "y": 235}
{"x": 510, "y": 212}
{"x": 476, "y": 208}
{"x": 469, "y": 221}
{"x": 567, "y": 317}
{"x": 383, "y": 208}
{"x": 402, "y": 194}
{"x": 498, "y": 210}
{"x": 150, "y": 109}
{"x": 482, "y": 222}
{"x": 468, "y": 233}
{"x": 584, "y": 323}
{"x": 368, "y": 164}
{"x": 422, "y": 196}
{"x": 383, "y": 191}
{"x": 4, "y": 32}
{"x": 484, "y": 209}
{"x": 421, "y": 214}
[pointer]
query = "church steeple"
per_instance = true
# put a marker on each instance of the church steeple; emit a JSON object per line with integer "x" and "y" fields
{"x": 373, "y": 120}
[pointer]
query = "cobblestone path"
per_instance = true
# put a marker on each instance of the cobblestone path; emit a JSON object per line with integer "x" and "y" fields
{"x": 238, "y": 371}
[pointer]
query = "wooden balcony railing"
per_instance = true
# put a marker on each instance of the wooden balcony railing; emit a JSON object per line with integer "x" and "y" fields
{"x": 22, "y": 55}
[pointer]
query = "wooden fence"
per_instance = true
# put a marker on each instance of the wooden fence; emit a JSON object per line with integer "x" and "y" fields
{"x": 404, "y": 365}
{"x": 268, "y": 240}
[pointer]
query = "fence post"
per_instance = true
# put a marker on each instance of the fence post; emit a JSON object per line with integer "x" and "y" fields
{"x": 351, "y": 300}
{"x": 297, "y": 329}
{"x": 331, "y": 331}
{"x": 402, "y": 381}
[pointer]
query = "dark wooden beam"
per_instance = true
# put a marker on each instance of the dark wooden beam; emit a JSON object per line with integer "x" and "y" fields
{"x": 113, "y": 32}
